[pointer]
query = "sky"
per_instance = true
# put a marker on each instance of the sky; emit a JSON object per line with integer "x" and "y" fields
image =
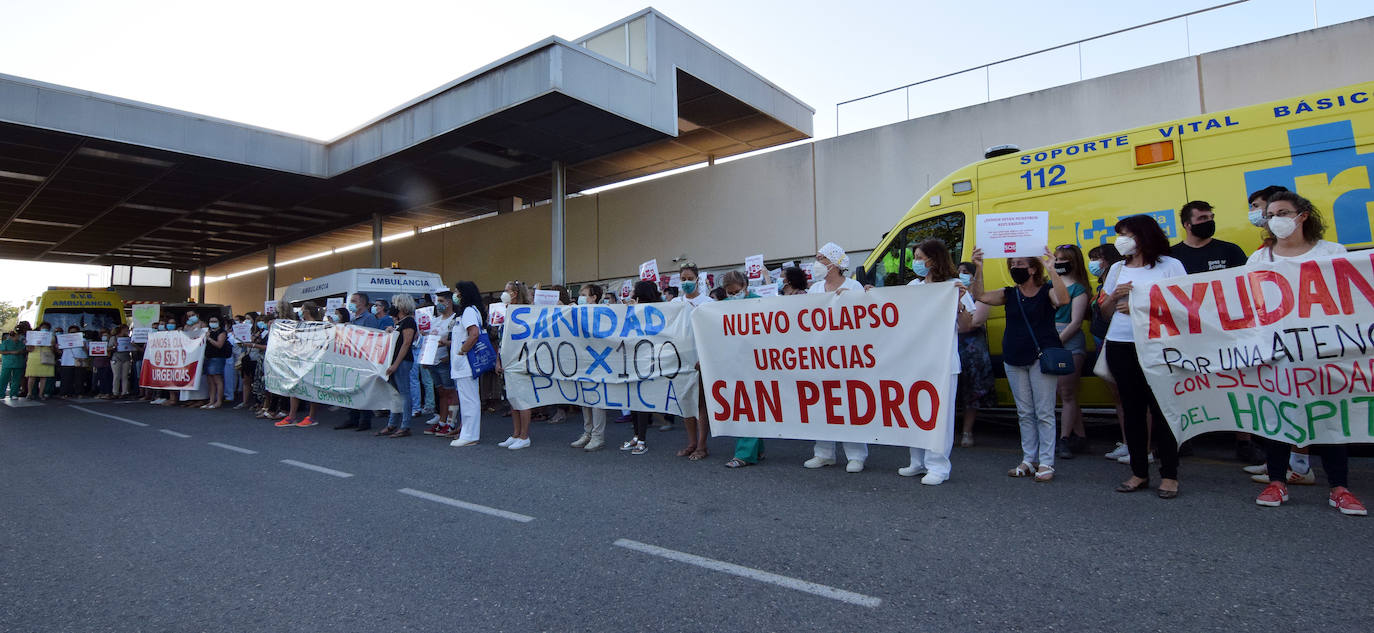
{"x": 320, "y": 69}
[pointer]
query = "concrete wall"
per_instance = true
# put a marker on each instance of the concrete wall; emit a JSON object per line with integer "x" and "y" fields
{"x": 848, "y": 189}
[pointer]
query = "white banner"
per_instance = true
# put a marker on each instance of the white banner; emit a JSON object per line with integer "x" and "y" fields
{"x": 330, "y": 363}
{"x": 868, "y": 367}
{"x": 639, "y": 357}
{"x": 1284, "y": 350}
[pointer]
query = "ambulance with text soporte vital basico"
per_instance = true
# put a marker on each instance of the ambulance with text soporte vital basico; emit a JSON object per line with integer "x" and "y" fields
{"x": 1320, "y": 145}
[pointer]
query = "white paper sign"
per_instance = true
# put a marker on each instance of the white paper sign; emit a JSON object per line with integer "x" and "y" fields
{"x": 70, "y": 341}
{"x": 753, "y": 268}
{"x": 269, "y": 307}
{"x": 648, "y": 271}
{"x": 424, "y": 318}
{"x": 627, "y": 288}
{"x": 140, "y": 334}
{"x": 496, "y": 314}
{"x": 333, "y": 303}
{"x": 124, "y": 344}
{"x": 546, "y": 297}
{"x": 429, "y": 349}
{"x": 765, "y": 290}
{"x": 38, "y": 338}
{"x": 1024, "y": 234}
{"x": 98, "y": 348}
{"x": 832, "y": 367}
{"x": 243, "y": 332}
{"x": 675, "y": 280}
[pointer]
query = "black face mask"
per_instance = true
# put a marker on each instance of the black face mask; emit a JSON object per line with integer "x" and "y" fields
{"x": 1064, "y": 268}
{"x": 1020, "y": 275}
{"x": 1204, "y": 230}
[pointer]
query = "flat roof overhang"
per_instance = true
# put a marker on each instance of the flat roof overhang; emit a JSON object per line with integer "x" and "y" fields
{"x": 96, "y": 179}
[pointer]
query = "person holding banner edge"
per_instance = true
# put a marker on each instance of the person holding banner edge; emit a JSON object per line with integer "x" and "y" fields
{"x": 932, "y": 263}
{"x": 748, "y": 450}
{"x": 698, "y": 430}
{"x": 1143, "y": 244}
{"x": 644, "y": 292}
{"x": 314, "y": 314}
{"x": 593, "y": 436}
{"x": 829, "y": 268}
{"x": 398, "y": 374}
{"x": 516, "y": 293}
{"x": 360, "y": 314}
{"x": 1294, "y": 232}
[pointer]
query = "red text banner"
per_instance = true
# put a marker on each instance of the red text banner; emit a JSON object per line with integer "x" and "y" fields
{"x": 336, "y": 364}
{"x": 1282, "y": 350}
{"x": 860, "y": 366}
{"x": 172, "y": 360}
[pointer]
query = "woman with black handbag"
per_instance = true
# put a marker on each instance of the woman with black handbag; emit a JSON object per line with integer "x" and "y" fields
{"x": 1032, "y": 354}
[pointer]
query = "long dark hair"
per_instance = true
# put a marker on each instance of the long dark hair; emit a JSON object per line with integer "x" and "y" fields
{"x": 468, "y": 295}
{"x": 795, "y": 278}
{"x": 1109, "y": 255}
{"x": 1150, "y": 241}
{"x": 939, "y": 265}
{"x": 1078, "y": 271}
{"x": 646, "y": 292}
{"x": 1313, "y": 228}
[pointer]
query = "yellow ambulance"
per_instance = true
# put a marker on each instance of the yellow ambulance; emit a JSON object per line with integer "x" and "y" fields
{"x": 1320, "y": 145}
{"x": 87, "y": 308}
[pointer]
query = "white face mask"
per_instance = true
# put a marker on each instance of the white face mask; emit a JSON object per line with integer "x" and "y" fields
{"x": 1282, "y": 227}
{"x": 1257, "y": 216}
{"x": 819, "y": 270}
{"x": 1125, "y": 245}
{"x": 505, "y": 297}
{"x": 581, "y": 300}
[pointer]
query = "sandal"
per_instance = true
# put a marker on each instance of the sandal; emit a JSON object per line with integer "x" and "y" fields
{"x": 1022, "y": 470}
{"x": 736, "y": 462}
{"x": 1046, "y": 473}
{"x": 1124, "y": 487}
{"x": 697, "y": 455}
{"x": 687, "y": 451}
{"x": 385, "y": 431}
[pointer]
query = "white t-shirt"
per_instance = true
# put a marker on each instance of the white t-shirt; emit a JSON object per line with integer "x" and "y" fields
{"x": 695, "y": 301}
{"x": 849, "y": 284}
{"x": 1120, "y": 329}
{"x": 1322, "y": 248}
{"x": 440, "y": 326}
{"x": 471, "y": 317}
{"x": 967, "y": 301}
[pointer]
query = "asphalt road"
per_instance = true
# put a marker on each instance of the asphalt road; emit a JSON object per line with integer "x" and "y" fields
{"x": 111, "y": 526}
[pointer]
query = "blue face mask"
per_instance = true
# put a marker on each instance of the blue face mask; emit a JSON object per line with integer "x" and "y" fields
{"x": 192, "y": 320}
{"x": 1095, "y": 267}
{"x": 689, "y": 287}
{"x": 47, "y": 329}
{"x": 262, "y": 325}
{"x": 919, "y": 267}
{"x": 352, "y": 308}
{"x": 966, "y": 279}
{"x": 376, "y": 310}
{"x": 170, "y": 327}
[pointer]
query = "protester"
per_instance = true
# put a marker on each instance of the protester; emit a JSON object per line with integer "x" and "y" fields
{"x": 1029, "y": 329}
{"x": 11, "y": 365}
{"x": 398, "y": 374}
{"x": 644, "y": 292}
{"x": 310, "y": 314}
{"x": 717, "y": 294}
{"x": 748, "y": 450}
{"x": 515, "y": 294}
{"x": 272, "y": 404}
{"x": 247, "y": 364}
{"x": 671, "y": 294}
{"x": 441, "y": 370}
{"x": 976, "y": 388}
{"x": 593, "y": 436}
{"x": 464, "y": 336}
{"x": 830, "y": 268}
{"x": 69, "y": 377}
{"x": 382, "y": 311}
{"x": 1293, "y": 232}
{"x": 360, "y": 315}
{"x": 793, "y": 282}
{"x": 217, "y": 351}
{"x": 1259, "y": 200}
{"x": 1140, "y": 240}
{"x": 103, "y": 377}
{"x": 200, "y": 396}
{"x": 41, "y": 365}
{"x": 1100, "y": 260}
{"x": 1068, "y": 321}
{"x": 698, "y": 428}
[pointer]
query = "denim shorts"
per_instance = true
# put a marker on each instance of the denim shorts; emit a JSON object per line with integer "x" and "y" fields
{"x": 442, "y": 374}
{"x": 1077, "y": 344}
{"x": 214, "y": 366}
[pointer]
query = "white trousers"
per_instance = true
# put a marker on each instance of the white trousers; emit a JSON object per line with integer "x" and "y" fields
{"x": 594, "y": 422}
{"x": 852, "y": 450}
{"x": 469, "y": 409}
{"x": 936, "y": 462}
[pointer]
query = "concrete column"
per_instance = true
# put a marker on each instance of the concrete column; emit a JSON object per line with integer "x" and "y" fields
{"x": 271, "y": 271}
{"x": 200, "y": 290}
{"x": 560, "y": 192}
{"x": 376, "y": 240}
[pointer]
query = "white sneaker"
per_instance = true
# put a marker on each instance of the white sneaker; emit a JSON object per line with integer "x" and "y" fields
{"x": 519, "y": 444}
{"x": 1258, "y": 469}
{"x": 932, "y": 479}
{"x": 433, "y": 420}
{"x": 634, "y": 441}
{"x": 854, "y": 466}
{"x": 460, "y": 443}
{"x": 1118, "y": 452}
{"x": 1126, "y": 459}
{"x": 818, "y": 462}
{"x": 911, "y": 471}
{"x": 157, "y": 401}
{"x": 507, "y": 442}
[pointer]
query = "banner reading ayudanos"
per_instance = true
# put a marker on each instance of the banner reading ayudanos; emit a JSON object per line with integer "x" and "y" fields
{"x": 640, "y": 357}
{"x": 1282, "y": 350}
{"x": 172, "y": 360}
{"x": 855, "y": 367}
{"x": 320, "y": 361}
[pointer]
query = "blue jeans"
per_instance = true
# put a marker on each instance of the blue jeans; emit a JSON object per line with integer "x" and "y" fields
{"x": 401, "y": 380}
{"x": 413, "y": 388}
{"x": 426, "y": 400}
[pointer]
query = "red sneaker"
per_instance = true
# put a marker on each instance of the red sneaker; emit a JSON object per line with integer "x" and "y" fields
{"x": 1275, "y": 494}
{"x": 307, "y": 421}
{"x": 431, "y": 429}
{"x": 285, "y": 422}
{"x": 443, "y": 429}
{"x": 1342, "y": 500}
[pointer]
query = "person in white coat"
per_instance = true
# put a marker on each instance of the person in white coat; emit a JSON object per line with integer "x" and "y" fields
{"x": 465, "y": 331}
{"x": 828, "y": 274}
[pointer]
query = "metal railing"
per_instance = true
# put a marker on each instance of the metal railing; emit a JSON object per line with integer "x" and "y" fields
{"x": 986, "y": 69}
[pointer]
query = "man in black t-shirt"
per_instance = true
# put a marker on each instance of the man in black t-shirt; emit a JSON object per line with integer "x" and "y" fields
{"x": 1199, "y": 251}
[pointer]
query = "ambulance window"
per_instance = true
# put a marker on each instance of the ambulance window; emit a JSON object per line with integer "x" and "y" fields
{"x": 895, "y": 267}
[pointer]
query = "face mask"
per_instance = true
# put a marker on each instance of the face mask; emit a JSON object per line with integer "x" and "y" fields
{"x": 192, "y": 320}
{"x": 689, "y": 287}
{"x": 333, "y": 317}
{"x": 262, "y": 325}
{"x": 919, "y": 267}
{"x": 506, "y": 297}
{"x": 352, "y": 308}
{"x": 966, "y": 279}
{"x": 376, "y": 310}
{"x": 1125, "y": 245}
{"x": 1257, "y": 217}
{"x": 1204, "y": 230}
{"x": 581, "y": 300}
{"x": 47, "y": 329}
{"x": 819, "y": 270}
{"x": 1095, "y": 267}
{"x": 214, "y": 324}
{"x": 171, "y": 327}
{"x": 1063, "y": 269}
{"x": 741, "y": 294}
{"x": 1282, "y": 227}
{"x": 1020, "y": 275}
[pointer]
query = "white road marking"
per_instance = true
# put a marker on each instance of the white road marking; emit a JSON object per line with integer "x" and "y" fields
{"x": 318, "y": 469}
{"x": 174, "y": 433}
{"x": 505, "y": 514}
{"x": 231, "y": 447}
{"x": 752, "y": 574}
{"x": 106, "y": 415}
